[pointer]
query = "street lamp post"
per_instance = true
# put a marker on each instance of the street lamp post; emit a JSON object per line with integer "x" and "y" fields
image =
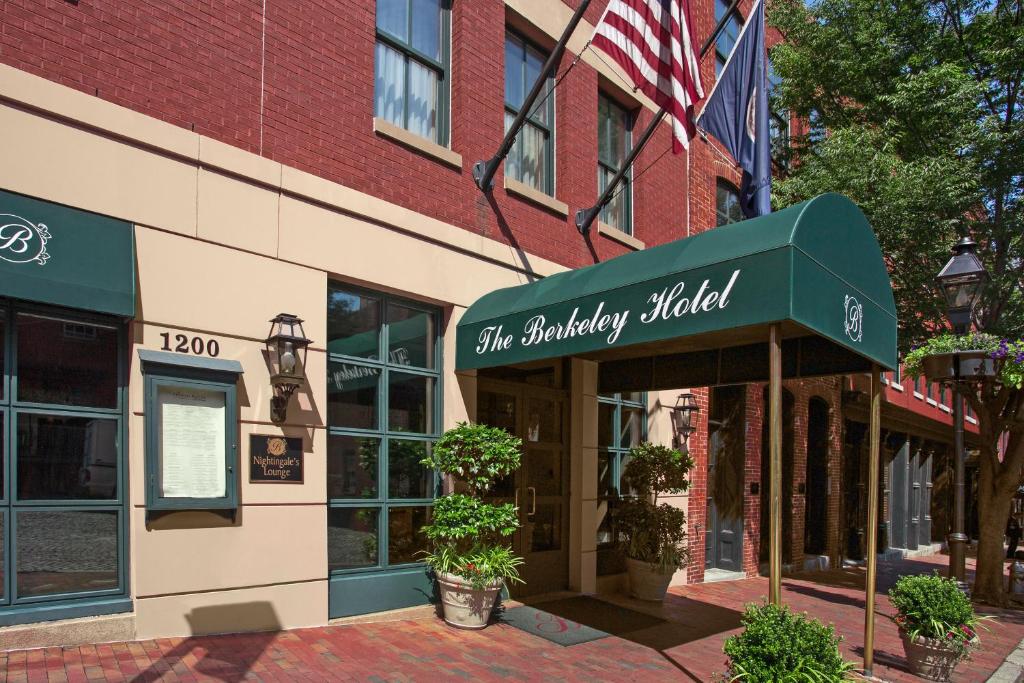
{"x": 961, "y": 280}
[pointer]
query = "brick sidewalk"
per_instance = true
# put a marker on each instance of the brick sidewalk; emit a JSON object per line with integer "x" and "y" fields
{"x": 687, "y": 648}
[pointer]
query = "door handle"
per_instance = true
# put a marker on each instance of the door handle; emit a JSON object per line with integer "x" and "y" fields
{"x": 533, "y": 507}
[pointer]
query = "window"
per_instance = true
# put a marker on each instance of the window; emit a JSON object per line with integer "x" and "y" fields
{"x": 778, "y": 123}
{"x": 614, "y": 141}
{"x": 411, "y": 76}
{"x": 383, "y": 415}
{"x": 622, "y": 424}
{"x": 727, "y": 203}
{"x": 727, "y": 38}
{"x": 531, "y": 159}
{"x": 816, "y": 131}
{"x": 62, "y": 483}
{"x": 897, "y": 375}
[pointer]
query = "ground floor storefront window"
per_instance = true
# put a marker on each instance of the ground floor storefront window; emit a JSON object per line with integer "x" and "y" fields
{"x": 621, "y": 424}
{"x": 62, "y": 491}
{"x": 383, "y": 414}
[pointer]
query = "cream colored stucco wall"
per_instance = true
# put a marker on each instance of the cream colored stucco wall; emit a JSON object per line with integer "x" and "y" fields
{"x": 226, "y": 240}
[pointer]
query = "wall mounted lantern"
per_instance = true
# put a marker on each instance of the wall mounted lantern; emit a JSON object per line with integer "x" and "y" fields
{"x": 286, "y": 348}
{"x": 683, "y": 413}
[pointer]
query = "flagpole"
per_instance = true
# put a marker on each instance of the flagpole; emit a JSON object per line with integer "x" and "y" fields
{"x": 483, "y": 171}
{"x": 586, "y": 217}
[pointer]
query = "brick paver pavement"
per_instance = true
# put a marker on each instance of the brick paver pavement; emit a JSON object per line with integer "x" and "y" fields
{"x": 686, "y": 648}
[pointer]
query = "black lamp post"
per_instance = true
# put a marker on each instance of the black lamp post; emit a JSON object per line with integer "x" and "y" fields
{"x": 682, "y": 418}
{"x": 286, "y": 347}
{"x": 962, "y": 281}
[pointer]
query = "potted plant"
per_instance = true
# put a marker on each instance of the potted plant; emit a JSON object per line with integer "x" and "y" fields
{"x": 655, "y": 533}
{"x": 469, "y": 553}
{"x": 778, "y": 646}
{"x": 936, "y": 358}
{"x": 937, "y": 624}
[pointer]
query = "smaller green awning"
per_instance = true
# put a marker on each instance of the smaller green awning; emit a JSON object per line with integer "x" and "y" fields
{"x": 696, "y": 312}
{"x": 54, "y": 254}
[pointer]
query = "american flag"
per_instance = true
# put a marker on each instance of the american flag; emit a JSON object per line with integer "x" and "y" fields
{"x": 652, "y": 40}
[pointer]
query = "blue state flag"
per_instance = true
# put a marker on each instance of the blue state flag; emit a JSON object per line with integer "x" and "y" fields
{"x": 737, "y": 114}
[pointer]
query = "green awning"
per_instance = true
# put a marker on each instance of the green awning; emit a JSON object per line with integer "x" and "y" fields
{"x": 696, "y": 311}
{"x": 54, "y": 254}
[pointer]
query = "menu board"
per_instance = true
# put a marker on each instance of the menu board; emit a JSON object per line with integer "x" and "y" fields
{"x": 192, "y": 443}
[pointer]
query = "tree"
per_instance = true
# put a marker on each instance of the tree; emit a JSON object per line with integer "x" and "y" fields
{"x": 916, "y": 116}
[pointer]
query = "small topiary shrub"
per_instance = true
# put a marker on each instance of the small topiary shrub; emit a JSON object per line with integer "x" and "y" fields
{"x": 935, "y": 607}
{"x": 778, "y": 646}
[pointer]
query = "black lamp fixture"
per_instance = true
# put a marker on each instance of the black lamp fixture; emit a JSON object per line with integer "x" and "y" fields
{"x": 286, "y": 347}
{"x": 962, "y": 281}
{"x": 682, "y": 418}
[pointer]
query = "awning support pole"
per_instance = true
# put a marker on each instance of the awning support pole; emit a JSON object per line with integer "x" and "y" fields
{"x": 775, "y": 464}
{"x": 483, "y": 171}
{"x": 874, "y": 448}
{"x": 586, "y": 217}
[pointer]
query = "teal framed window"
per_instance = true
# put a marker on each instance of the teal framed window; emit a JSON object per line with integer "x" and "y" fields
{"x": 63, "y": 483}
{"x": 383, "y": 416}
{"x": 191, "y": 425}
{"x": 729, "y": 35}
{"x": 412, "y": 66}
{"x": 727, "y": 203}
{"x": 621, "y": 424}
{"x": 531, "y": 160}
{"x": 614, "y": 141}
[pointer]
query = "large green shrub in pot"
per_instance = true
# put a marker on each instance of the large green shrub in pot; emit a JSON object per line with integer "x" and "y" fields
{"x": 469, "y": 538}
{"x": 779, "y": 646}
{"x": 655, "y": 532}
{"x": 932, "y": 606}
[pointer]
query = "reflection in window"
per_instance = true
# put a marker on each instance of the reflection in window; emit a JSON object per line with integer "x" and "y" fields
{"x": 614, "y": 128}
{"x": 405, "y": 541}
{"x": 727, "y": 204}
{"x": 352, "y": 395}
{"x": 411, "y": 66}
{"x": 407, "y": 478}
{"x": 62, "y": 458}
{"x": 410, "y": 403}
{"x": 76, "y": 369}
{"x": 778, "y": 124}
{"x": 352, "y": 466}
{"x": 352, "y": 537}
{"x": 411, "y": 336}
{"x": 622, "y": 424}
{"x": 66, "y": 552}
{"x": 531, "y": 160}
{"x": 727, "y": 38}
{"x": 353, "y": 324}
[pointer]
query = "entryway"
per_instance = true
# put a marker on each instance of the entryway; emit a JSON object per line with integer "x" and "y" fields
{"x": 530, "y": 405}
{"x": 723, "y": 540}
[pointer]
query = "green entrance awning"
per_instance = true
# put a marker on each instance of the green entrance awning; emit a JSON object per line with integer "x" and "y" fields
{"x": 696, "y": 312}
{"x": 54, "y": 254}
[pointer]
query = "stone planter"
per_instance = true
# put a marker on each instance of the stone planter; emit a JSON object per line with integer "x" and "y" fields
{"x": 463, "y": 605}
{"x": 973, "y": 364}
{"x": 930, "y": 658}
{"x": 647, "y": 582}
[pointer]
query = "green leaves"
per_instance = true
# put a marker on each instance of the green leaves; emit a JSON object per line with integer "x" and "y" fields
{"x": 935, "y": 607}
{"x": 458, "y": 516}
{"x": 778, "y": 646}
{"x": 476, "y": 454}
{"x": 653, "y": 469}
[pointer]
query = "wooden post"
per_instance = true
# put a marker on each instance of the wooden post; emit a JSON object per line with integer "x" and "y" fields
{"x": 775, "y": 465}
{"x": 874, "y": 434}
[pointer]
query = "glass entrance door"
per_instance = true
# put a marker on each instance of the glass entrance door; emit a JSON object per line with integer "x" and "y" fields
{"x": 540, "y": 487}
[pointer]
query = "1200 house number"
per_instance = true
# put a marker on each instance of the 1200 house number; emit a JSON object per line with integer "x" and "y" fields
{"x": 185, "y": 344}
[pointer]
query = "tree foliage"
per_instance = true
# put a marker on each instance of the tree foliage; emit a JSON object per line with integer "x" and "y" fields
{"x": 917, "y": 117}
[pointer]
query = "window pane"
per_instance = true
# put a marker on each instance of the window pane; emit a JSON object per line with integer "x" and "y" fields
{"x": 389, "y": 86}
{"x": 422, "y": 100}
{"x": 405, "y": 540}
{"x": 532, "y": 150}
{"x": 614, "y": 212}
{"x": 633, "y": 396}
{"x": 605, "y": 425}
{"x": 426, "y": 27}
{"x": 543, "y": 420}
{"x": 352, "y": 466}
{"x": 407, "y": 478}
{"x": 3, "y": 557}
{"x": 353, "y": 324}
{"x": 605, "y": 485}
{"x": 630, "y": 424}
{"x": 66, "y": 362}
{"x": 351, "y": 537}
{"x": 352, "y": 395}
{"x": 393, "y": 17}
{"x": 63, "y": 458}
{"x": 411, "y": 336}
{"x": 410, "y": 403}
{"x": 514, "y": 89}
{"x": 513, "y": 165}
{"x": 534, "y": 63}
{"x": 66, "y": 552}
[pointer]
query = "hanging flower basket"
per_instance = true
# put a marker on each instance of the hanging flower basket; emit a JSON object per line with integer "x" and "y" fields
{"x": 974, "y": 364}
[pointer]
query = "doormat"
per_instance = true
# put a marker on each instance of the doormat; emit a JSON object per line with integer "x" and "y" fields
{"x": 581, "y": 619}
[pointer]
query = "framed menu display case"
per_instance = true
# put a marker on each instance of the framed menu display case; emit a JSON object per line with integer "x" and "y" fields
{"x": 191, "y": 424}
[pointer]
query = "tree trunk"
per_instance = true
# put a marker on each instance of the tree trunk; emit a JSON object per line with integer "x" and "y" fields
{"x": 995, "y": 496}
